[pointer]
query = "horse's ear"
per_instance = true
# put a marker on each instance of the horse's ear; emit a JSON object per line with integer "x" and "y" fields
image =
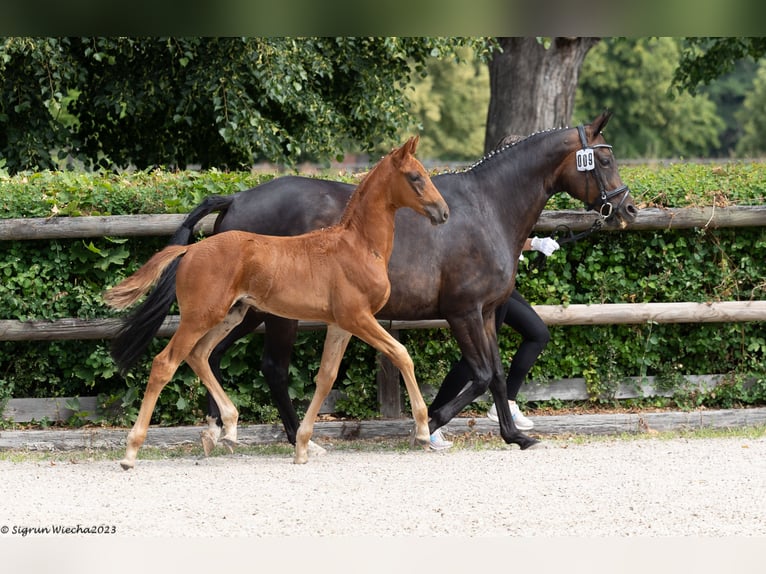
{"x": 412, "y": 144}
{"x": 600, "y": 122}
{"x": 407, "y": 147}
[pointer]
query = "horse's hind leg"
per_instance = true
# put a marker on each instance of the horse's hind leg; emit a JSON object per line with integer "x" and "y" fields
{"x": 164, "y": 366}
{"x": 335, "y": 344}
{"x": 369, "y": 330}
{"x": 275, "y": 364}
{"x": 212, "y": 433}
{"x": 199, "y": 361}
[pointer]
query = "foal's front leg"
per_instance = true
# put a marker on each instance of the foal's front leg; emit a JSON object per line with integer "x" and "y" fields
{"x": 335, "y": 344}
{"x": 370, "y": 331}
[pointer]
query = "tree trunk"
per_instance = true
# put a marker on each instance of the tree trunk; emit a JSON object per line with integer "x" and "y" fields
{"x": 533, "y": 88}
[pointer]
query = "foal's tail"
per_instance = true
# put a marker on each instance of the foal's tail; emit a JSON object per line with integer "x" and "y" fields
{"x": 130, "y": 290}
{"x": 140, "y": 327}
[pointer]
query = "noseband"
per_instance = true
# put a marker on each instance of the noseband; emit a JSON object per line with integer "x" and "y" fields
{"x": 586, "y": 162}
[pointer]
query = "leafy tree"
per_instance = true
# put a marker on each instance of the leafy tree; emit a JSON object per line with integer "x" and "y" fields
{"x": 752, "y": 117}
{"x": 703, "y": 59}
{"x": 632, "y": 77}
{"x": 213, "y": 101}
{"x": 450, "y": 104}
{"x": 533, "y": 82}
{"x": 728, "y": 92}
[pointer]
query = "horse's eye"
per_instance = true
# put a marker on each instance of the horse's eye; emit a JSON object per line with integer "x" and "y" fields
{"x": 414, "y": 177}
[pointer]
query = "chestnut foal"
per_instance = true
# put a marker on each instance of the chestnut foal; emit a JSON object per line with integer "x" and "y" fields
{"x": 337, "y": 275}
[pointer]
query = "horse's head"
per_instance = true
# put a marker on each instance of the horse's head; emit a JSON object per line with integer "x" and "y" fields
{"x": 590, "y": 173}
{"x": 413, "y": 187}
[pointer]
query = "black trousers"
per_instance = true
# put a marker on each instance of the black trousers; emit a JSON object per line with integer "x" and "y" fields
{"x": 518, "y": 314}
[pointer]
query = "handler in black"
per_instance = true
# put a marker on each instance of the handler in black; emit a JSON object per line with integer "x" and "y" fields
{"x": 518, "y": 314}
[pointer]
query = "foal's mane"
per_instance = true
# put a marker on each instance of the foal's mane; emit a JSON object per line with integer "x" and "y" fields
{"x": 360, "y": 190}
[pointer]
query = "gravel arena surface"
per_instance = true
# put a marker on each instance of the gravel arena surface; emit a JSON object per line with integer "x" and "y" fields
{"x": 608, "y": 487}
{"x": 597, "y": 505}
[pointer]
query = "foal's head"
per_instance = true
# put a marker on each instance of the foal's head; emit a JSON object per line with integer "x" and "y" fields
{"x": 412, "y": 187}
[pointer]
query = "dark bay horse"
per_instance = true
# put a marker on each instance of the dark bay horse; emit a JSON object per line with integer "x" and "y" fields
{"x": 337, "y": 275}
{"x": 460, "y": 272}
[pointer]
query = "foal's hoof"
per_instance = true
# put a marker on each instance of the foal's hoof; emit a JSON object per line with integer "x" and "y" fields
{"x": 229, "y": 444}
{"x": 208, "y": 441}
{"x": 315, "y": 449}
{"x": 127, "y": 464}
{"x": 416, "y": 442}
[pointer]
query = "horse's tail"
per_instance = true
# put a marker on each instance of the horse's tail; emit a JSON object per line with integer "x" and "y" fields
{"x": 127, "y": 292}
{"x": 184, "y": 234}
{"x": 140, "y": 327}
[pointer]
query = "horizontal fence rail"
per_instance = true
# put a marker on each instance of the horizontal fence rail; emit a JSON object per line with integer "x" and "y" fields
{"x": 598, "y": 314}
{"x": 576, "y": 220}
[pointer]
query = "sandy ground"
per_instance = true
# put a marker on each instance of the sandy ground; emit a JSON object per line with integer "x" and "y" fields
{"x": 606, "y": 488}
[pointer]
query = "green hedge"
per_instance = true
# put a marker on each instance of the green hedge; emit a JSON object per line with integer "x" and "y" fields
{"x": 64, "y": 278}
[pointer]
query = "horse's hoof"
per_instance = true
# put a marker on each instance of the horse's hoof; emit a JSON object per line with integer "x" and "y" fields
{"x": 303, "y": 459}
{"x": 417, "y": 442}
{"x": 229, "y": 444}
{"x": 127, "y": 464}
{"x": 315, "y": 449}
{"x": 526, "y": 442}
{"x": 208, "y": 442}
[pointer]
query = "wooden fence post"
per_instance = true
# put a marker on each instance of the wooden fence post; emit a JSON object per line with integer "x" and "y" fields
{"x": 389, "y": 390}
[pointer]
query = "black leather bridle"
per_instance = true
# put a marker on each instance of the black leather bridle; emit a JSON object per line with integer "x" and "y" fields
{"x": 587, "y": 163}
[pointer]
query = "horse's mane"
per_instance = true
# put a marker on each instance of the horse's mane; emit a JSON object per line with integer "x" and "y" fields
{"x": 356, "y": 195}
{"x": 505, "y": 144}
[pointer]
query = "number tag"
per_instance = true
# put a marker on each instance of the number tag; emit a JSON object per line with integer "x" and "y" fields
{"x": 585, "y": 160}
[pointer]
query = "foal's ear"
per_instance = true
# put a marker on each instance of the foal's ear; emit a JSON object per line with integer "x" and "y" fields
{"x": 412, "y": 144}
{"x": 406, "y": 148}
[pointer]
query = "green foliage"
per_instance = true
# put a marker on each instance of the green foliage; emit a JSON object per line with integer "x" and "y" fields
{"x": 704, "y": 59}
{"x": 450, "y": 105}
{"x": 218, "y": 102}
{"x": 65, "y": 278}
{"x": 632, "y": 77}
{"x": 752, "y": 118}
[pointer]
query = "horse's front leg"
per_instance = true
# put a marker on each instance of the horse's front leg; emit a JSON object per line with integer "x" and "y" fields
{"x": 508, "y": 429}
{"x": 369, "y": 330}
{"x": 335, "y": 344}
{"x": 478, "y": 342}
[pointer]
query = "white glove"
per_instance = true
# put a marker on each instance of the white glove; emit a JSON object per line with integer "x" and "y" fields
{"x": 545, "y": 245}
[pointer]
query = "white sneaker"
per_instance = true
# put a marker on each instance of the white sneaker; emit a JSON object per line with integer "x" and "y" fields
{"x": 522, "y": 422}
{"x": 438, "y": 442}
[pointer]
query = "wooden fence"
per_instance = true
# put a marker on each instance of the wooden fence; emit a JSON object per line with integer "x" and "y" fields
{"x": 387, "y": 375}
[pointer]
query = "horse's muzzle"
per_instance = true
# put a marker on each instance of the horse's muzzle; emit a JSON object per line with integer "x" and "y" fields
{"x": 437, "y": 213}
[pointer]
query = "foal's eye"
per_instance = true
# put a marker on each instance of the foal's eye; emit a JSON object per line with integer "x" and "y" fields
{"x": 416, "y": 181}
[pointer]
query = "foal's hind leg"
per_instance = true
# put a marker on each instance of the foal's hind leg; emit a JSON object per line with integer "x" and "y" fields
{"x": 335, "y": 344}
{"x": 212, "y": 433}
{"x": 164, "y": 366}
{"x": 199, "y": 361}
